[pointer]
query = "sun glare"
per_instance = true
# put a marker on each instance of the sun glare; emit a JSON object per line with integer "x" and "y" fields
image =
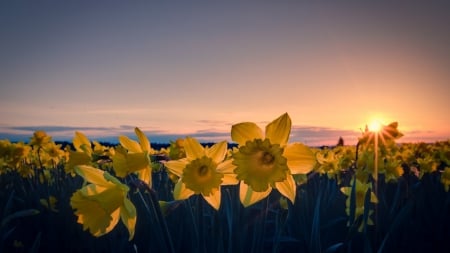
{"x": 375, "y": 126}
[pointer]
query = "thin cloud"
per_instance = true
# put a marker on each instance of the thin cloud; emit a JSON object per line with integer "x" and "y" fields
{"x": 309, "y": 135}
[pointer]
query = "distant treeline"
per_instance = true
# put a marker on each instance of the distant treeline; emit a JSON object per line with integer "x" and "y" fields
{"x": 156, "y": 146}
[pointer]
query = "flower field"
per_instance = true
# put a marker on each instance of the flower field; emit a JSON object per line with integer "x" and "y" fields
{"x": 260, "y": 194}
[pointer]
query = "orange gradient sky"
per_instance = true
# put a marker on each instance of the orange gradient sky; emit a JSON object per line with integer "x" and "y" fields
{"x": 197, "y": 68}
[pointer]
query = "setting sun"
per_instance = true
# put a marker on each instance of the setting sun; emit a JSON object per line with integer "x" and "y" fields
{"x": 375, "y": 126}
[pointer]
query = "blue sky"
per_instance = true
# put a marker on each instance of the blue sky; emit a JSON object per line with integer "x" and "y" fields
{"x": 197, "y": 67}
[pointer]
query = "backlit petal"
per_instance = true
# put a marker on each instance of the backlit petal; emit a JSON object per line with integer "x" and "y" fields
{"x": 130, "y": 144}
{"x": 300, "y": 158}
{"x": 287, "y": 188}
{"x": 93, "y": 175}
{"x": 176, "y": 166}
{"x": 278, "y": 130}
{"x": 128, "y": 216}
{"x": 249, "y": 197}
{"x": 143, "y": 140}
{"x": 193, "y": 148}
{"x": 79, "y": 140}
{"x": 145, "y": 175}
{"x": 226, "y": 166}
{"x": 246, "y": 131}
{"x": 218, "y": 151}
{"x": 214, "y": 199}
{"x": 229, "y": 179}
{"x": 181, "y": 192}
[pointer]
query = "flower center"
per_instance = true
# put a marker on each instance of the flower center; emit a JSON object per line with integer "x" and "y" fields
{"x": 260, "y": 164}
{"x": 203, "y": 170}
{"x": 200, "y": 176}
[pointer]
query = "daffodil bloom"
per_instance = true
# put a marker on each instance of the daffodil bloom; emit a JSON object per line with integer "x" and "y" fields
{"x": 81, "y": 155}
{"x": 392, "y": 169}
{"x": 445, "y": 178}
{"x": 328, "y": 163}
{"x": 134, "y": 157}
{"x": 360, "y": 194}
{"x": 40, "y": 138}
{"x": 266, "y": 161}
{"x": 427, "y": 164}
{"x": 100, "y": 204}
{"x": 203, "y": 171}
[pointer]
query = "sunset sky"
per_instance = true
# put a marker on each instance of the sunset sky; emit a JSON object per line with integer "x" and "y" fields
{"x": 197, "y": 67}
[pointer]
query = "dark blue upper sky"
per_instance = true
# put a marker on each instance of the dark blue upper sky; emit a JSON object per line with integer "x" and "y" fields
{"x": 192, "y": 67}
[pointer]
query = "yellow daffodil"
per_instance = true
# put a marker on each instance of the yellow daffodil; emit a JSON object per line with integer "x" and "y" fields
{"x": 134, "y": 157}
{"x": 203, "y": 171}
{"x": 266, "y": 161}
{"x": 327, "y": 163}
{"x": 81, "y": 155}
{"x": 54, "y": 152}
{"x": 427, "y": 164}
{"x": 392, "y": 169}
{"x": 100, "y": 204}
{"x": 445, "y": 178}
{"x": 360, "y": 194}
{"x": 40, "y": 138}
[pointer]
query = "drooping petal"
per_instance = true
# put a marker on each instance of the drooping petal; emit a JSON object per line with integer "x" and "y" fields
{"x": 128, "y": 216}
{"x": 145, "y": 175}
{"x": 217, "y": 152}
{"x": 176, "y": 166}
{"x": 278, "y": 131}
{"x": 115, "y": 219}
{"x": 300, "y": 159}
{"x": 93, "y": 175}
{"x": 249, "y": 197}
{"x": 181, "y": 192}
{"x": 246, "y": 131}
{"x": 287, "y": 188}
{"x": 193, "y": 148}
{"x": 143, "y": 140}
{"x": 214, "y": 199}
{"x": 130, "y": 144}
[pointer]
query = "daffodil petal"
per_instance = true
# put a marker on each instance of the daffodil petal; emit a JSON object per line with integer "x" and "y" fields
{"x": 146, "y": 175}
{"x": 128, "y": 216}
{"x": 246, "y": 131}
{"x": 93, "y": 175}
{"x": 193, "y": 149}
{"x": 79, "y": 140}
{"x": 249, "y": 197}
{"x": 287, "y": 188}
{"x": 229, "y": 179}
{"x": 300, "y": 159}
{"x": 226, "y": 166}
{"x": 278, "y": 131}
{"x": 181, "y": 192}
{"x": 115, "y": 219}
{"x": 214, "y": 199}
{"x": 217, "y": 152}
{"x": 143, "y": 140}
{"x": 176, "y": 166}
{"x": 130, "y": 144}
